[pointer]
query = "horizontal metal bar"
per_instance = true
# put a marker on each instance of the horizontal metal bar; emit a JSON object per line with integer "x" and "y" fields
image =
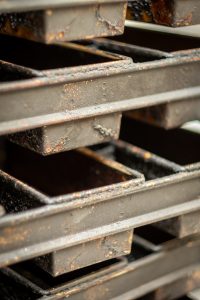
{"x": 134, "y": 279}
{"x": 157, "y": 283}
{"x": 92, "y": 111}
{"x": 28, "y": 252}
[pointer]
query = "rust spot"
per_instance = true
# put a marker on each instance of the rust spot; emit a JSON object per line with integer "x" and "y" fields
{"x": 11, "y": 235}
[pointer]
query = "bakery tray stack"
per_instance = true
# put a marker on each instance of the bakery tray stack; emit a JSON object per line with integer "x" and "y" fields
{"x": 99, "y": 150}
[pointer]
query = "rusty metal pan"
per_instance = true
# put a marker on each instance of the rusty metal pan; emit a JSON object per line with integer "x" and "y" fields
{"x": 68, "y": 178}
{"x": 103, "y": 249}
{"x": 144, "y": 273}
{"x": 123, "y": 207}
{"x": 173, "y": 13}
{"x": 29, "y": 275}
{"x": 50, "y": 21}
{"x": 173, "y": 145}
{"x": 90, "y": 91}
{"x": 150, "y": 165}
{"x": 66, "y": 136}
{"x": 170, "y": 114}
{"x": 156, "y": 167}
{"x": 70, "y": 59}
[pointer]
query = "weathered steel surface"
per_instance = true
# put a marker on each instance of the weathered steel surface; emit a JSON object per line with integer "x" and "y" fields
{"x": 29, "y": 275}
{"x": 165, "y": 12}
{"x": 142, "y": 276}
{"x": 67, "y": 135}
{"x": 86, "y": 254}
{"x": 70, "y": 135}
{"x": 64, "y": 23}
{"x": 123, "y": 207}
{"x": 89, "y": 90}
{"x": 183, "y": 225}
{"x": 178, "y": 288}
{"x": 172, "y": 145}
{"x": 150, "y": 165}
{"x": 170, "y": 114}
{"x": 144, "y": 273}
{"x": 81, "y": 174}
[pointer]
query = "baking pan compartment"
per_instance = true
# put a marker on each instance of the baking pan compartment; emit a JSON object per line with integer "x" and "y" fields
{"x": 79, "y": 196}
{"x": 70, "y": 135}
{"x": 86, "y": 254}
{"x": 29, "y": 275}
{"x": 63, "y": 177}
{"x": 45, "y": 57}
{"x": 144, "y": 268}
{"x": 94, "y": 86}
{"x": 67, "y": 178}
{"x": 157, "y": 40}
{"x": 147, "y": 163}
{"x": 73, "y": 222}
{"x": 154, "y": 269}
{"x": 179, "y": 145}
{"x": 62, "y": 21}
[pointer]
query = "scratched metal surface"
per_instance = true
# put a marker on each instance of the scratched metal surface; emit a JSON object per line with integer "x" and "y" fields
{"x": 48, "y": 21}
{"x": 173, "y": 13}
{"x": 85, "y": 92}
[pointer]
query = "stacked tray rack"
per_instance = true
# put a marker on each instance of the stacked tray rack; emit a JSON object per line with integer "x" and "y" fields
{"x": 118, "y": 220}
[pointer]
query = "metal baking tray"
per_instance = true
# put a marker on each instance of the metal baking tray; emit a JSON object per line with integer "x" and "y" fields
{"x": 50, "y": 21}
{"x": 170, "y": 114}
{"x": 56, "y": 62}
{"x": 170, "y": 13}
{"x": 173, "y": 145}
{"x": 146, "y": 269}
{"x": 29, "y": 275}
{"x": 123, "y": 206}
{"x": 90, "y": 91}
{"x": 81, "y": 180}
{"x": 141, "y": 276}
